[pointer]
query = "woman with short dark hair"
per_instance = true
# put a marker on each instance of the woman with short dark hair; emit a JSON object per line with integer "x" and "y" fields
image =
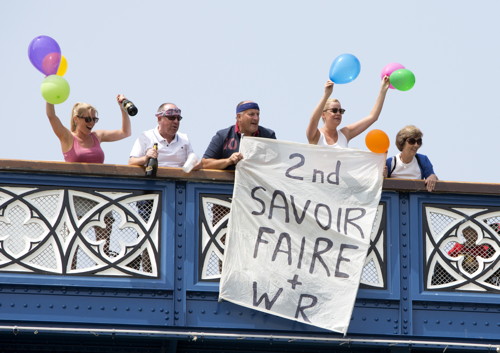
{"x": 409, "y": 164}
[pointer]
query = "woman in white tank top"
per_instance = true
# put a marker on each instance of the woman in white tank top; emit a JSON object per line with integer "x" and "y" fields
{"x": 331, "y": 112}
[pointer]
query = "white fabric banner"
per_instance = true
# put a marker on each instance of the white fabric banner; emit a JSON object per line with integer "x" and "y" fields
{"x": 299, "y": 229}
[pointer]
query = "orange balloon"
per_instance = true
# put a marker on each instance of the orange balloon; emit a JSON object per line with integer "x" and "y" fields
{"x": 377, "y": 141}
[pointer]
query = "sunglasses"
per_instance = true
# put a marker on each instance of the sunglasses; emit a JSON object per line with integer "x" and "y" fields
{"x": 88, "y": 119}
{"x": 413, "y": 141}
{"x": 172, "y": 118}
{"x": 336, "y": 110}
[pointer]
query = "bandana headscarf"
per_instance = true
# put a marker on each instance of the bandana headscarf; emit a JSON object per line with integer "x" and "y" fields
{"x": 246, "y": 106}
{"x": 169, "y": 112}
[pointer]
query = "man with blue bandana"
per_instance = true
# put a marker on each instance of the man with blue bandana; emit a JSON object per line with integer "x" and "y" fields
{"x": 223, "y": 150}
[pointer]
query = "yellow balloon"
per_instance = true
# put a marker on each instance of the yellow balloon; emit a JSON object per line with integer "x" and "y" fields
{"x": 63, "y": 66}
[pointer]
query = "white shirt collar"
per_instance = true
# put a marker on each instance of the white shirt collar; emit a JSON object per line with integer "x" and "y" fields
{"x": 160, "y": 138}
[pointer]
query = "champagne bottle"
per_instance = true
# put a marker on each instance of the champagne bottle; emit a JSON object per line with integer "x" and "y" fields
{"x": 152, "y": 165}
{"x": 129, "y": 107}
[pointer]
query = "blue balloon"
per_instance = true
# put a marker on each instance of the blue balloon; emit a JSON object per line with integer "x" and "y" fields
{"x": 345, "y": 68}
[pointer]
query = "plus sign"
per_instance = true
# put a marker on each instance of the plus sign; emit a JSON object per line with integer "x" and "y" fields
{"x": 294, "y": 282}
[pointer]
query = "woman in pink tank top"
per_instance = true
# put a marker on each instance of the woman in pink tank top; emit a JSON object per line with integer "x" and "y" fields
{"x": 80, "y": 143}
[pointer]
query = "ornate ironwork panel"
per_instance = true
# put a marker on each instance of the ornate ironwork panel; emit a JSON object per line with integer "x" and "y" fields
{"x": 461, "y": 248}
{"x": 374, "y": 273}
{"x": 60, "y": 230}
{"x": 214, "y": 215}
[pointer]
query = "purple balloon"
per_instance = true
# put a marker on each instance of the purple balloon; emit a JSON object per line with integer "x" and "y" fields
{"x": 45, "y": 54}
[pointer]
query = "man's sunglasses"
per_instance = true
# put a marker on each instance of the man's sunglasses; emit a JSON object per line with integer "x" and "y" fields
{"x": 336, "y": 110}
{"x": 173, "y": 117}
{"x": 88, "y": 119}
{"x": 413, "y": 141}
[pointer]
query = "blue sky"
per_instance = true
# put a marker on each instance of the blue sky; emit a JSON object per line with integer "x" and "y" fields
{"x": 206, "y": 56}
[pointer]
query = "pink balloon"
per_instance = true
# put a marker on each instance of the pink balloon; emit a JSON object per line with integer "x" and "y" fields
{"x": 389, "y": 69}
{"x": 50, "y": 63}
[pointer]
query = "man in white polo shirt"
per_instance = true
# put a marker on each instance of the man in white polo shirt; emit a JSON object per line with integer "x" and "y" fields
{"x": 173, "y": 146}
{"x": 173, "y": 151}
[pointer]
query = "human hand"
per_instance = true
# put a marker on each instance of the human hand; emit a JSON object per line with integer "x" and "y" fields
{"x": 198, "y": 165}
{"x": 328, "y": 88}
{"x": 120, "y": 98}
{"x": 430, "y": 182}
{"x": 152, "y": 153}
{"x": 235, "y": 158}
{"x": 385, "y": 83}
{"x": 385, "y": 173}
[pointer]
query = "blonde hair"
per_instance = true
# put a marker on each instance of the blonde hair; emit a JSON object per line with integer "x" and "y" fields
{"x": 78, "y": 110}
{"x": 405, "y": 133}
{"x": 329, "y": 101}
